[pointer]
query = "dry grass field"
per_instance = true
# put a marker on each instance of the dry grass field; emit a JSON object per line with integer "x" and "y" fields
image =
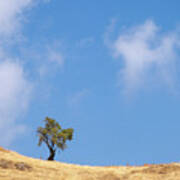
{"x": 14, "y": 166}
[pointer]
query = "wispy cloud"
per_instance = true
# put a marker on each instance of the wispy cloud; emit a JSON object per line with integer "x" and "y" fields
{"x": 55, "y": 57}
{"x": 78, "y": 97}
{"x": 147, "y": 55}
{"x": 84, "y": 42}
{"x": 50, "y": 61}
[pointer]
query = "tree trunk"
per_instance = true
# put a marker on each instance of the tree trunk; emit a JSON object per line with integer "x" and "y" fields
{"x": 52, "y": 155}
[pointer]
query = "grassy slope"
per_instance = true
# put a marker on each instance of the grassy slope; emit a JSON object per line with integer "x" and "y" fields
{"x": 17, "y": 167}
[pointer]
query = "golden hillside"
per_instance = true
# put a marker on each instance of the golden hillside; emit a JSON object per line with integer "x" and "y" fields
{"x": 14, "y": 166}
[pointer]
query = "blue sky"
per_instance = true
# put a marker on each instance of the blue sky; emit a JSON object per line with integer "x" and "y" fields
{"x": 108, "y": 69}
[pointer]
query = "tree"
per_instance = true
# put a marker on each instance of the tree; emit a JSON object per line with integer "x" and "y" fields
{"x": 54, "y": 136}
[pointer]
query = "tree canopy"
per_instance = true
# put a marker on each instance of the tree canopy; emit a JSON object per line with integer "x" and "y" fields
{"x": 54, "y": 136}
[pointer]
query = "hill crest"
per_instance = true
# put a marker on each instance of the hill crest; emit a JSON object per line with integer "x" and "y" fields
{"x": 14, "y": 166}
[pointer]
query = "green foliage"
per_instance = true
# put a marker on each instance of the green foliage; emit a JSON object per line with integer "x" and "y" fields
{"x": 54, "y": 136}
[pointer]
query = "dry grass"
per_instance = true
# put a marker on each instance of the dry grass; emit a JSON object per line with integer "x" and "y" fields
{"x": 16, "y": 167}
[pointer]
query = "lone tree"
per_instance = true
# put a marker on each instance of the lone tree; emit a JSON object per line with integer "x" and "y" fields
{"x": 54, "y": 136}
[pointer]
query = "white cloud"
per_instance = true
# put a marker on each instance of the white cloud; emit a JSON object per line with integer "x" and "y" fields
{"x": 11, "y": 15}
{"x": 15, "y": 91}
{"x": 147, "y": 55}
{"x": 14, "y": 98}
